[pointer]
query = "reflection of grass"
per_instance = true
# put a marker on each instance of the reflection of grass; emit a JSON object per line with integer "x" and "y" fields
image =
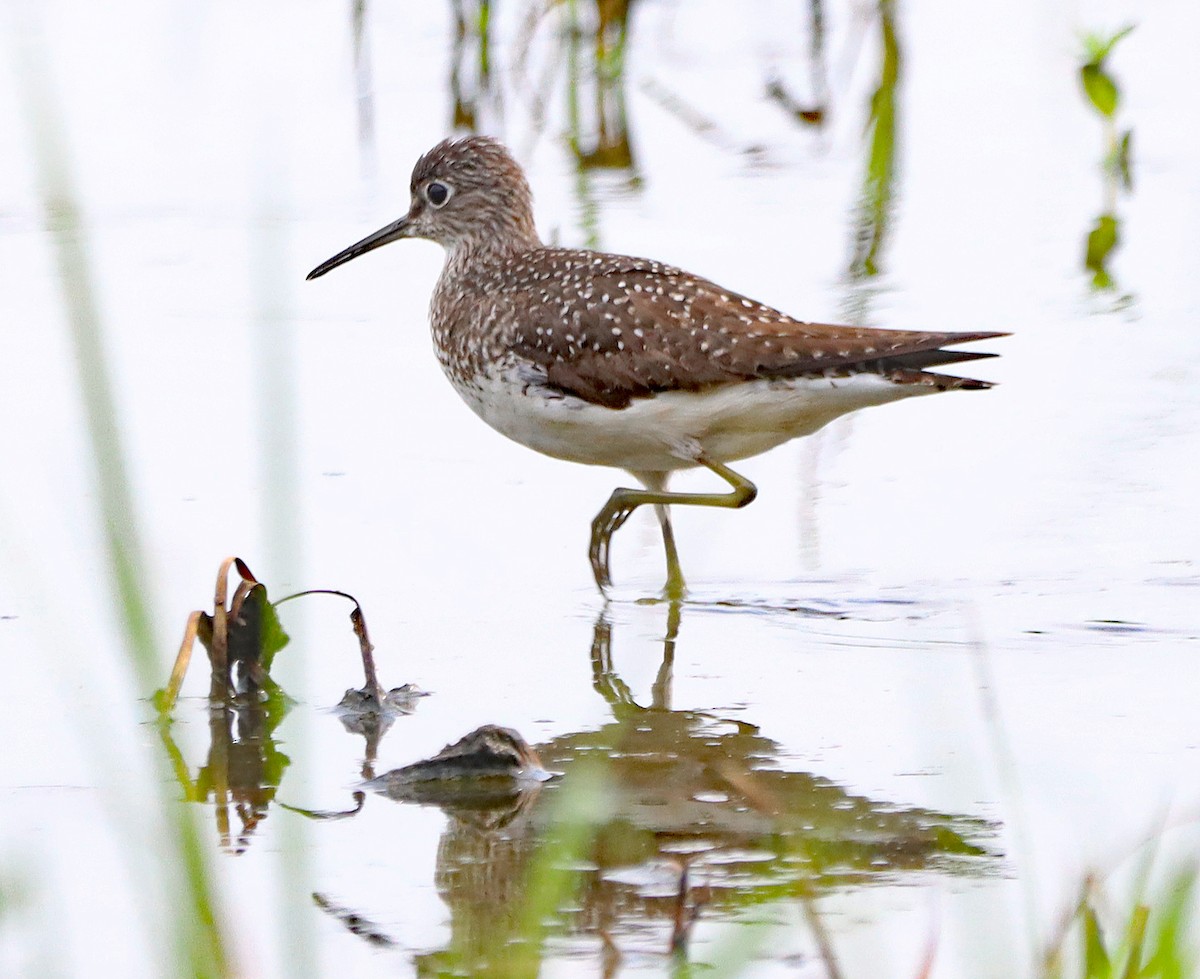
{"x": 766, "y": 846}
{"x": 876, "y": 202}
{"x": 1151, "y": 938}
{"x": 554, "y": 876}
{"x": 1104, "y": 94}
{"x": 509, "y": 903}
{"x": 199, "y": 945}
{"x": 472, "y": 33}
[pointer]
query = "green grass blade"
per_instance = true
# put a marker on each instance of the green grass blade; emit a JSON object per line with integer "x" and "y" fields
{"x": 199, "y": 945}
{"x": 1096, "y": 963}
{"x": 1172, "y": 957}
{"x": 1135, "y": 939}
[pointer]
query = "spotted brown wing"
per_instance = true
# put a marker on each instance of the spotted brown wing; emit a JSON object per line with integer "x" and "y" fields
{"x": 612, "y": 331}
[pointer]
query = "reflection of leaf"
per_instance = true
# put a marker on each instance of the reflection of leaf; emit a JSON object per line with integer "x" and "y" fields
{"x": 1098, "y": 84}
{"x": 1100, "y": 88}
{"x": 274, "y": 764}
{"x": 1097, "y": 47}
{"x": 1101, "y": 241}
{"x": 1124, "y": 159}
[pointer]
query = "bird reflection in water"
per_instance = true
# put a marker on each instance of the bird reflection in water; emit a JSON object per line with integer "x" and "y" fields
{"x": 689, "y": 798}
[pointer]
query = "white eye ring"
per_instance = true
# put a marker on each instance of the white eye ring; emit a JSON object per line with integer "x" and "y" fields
{"x": 438, "y": 192}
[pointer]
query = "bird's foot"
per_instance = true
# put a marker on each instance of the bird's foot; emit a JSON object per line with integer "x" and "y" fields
{"x": 675, "y": 589}
{"x": 608, "y": 521}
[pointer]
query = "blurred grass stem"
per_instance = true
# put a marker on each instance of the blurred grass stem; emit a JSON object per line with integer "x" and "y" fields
{"x": 198, "y": 941}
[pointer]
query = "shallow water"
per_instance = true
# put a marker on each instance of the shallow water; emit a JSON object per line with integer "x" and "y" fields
{"x": 973, "y": 611}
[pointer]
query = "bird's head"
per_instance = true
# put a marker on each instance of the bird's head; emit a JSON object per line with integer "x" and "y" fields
{"x": 467, "y": 193}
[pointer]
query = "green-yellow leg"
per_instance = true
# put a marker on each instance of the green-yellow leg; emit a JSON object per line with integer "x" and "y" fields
{"x": 624, "y": 501}
{"x": 675, "y": 588}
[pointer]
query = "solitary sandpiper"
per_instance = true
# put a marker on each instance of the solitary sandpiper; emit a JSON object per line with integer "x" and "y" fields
{"x": 626, "y": 362}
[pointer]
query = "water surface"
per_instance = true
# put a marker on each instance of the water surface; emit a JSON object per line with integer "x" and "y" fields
{"x": 953, "y": 642}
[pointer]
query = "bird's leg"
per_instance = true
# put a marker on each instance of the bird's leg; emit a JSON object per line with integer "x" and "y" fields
{"x": 624, "y": 501}
{"x": 656, "y": 482}
{"x": 675, "y": 588}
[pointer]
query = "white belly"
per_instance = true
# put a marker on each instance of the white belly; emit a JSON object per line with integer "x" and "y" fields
{"x": 665, "y": 431}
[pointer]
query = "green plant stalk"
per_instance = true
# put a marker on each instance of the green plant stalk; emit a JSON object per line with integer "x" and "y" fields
{"x": 878, "y": 185}
{"x": 198, "y": 939}
{"x": 1171, "y": 957}
{"x": 276, "y": 395}
{"x": 485, "y": 59}
{"x": 1136, "y": 937}
{"x": 1096, "y": 961}
{"x": 1133, "y": 941}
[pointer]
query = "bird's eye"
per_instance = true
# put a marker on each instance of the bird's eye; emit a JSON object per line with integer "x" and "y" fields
{"x": 438, "y": 193}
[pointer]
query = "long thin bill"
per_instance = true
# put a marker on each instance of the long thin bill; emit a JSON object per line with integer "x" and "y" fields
{"x": 397, "y": 229}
